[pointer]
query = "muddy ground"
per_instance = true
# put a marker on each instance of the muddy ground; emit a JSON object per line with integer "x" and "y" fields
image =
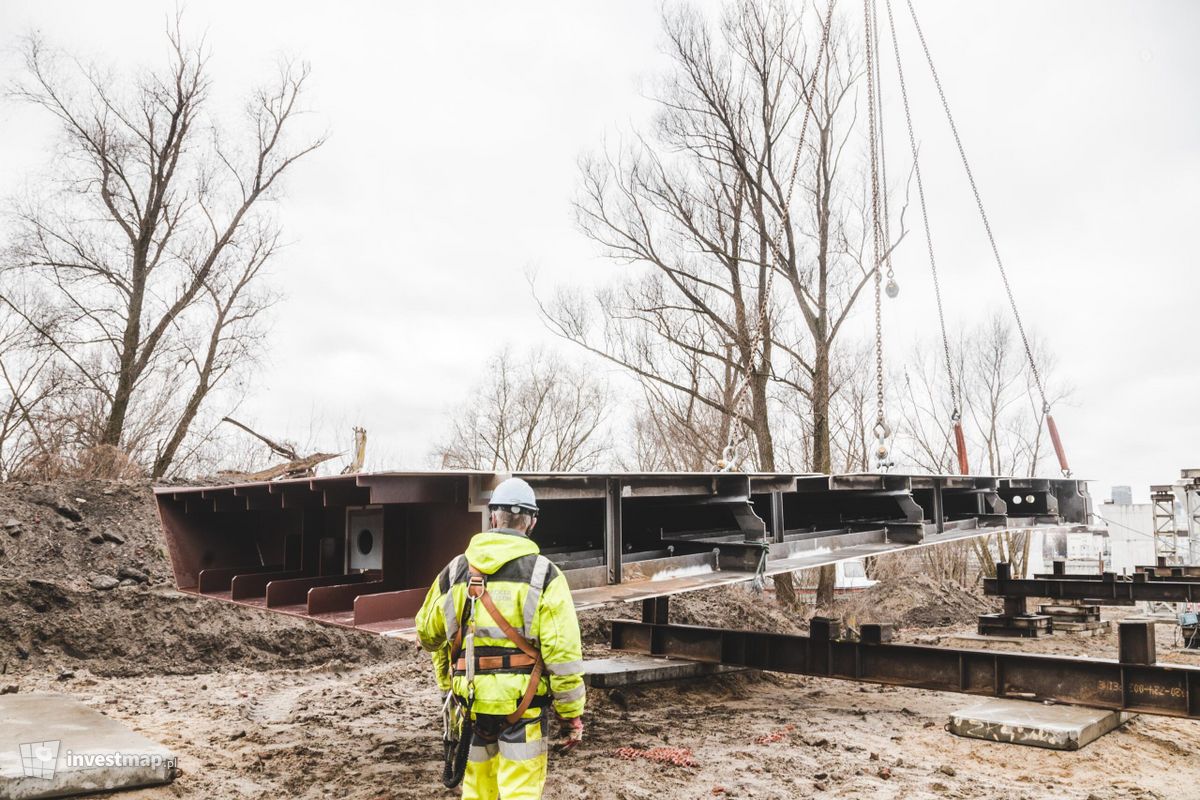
{"x": 260, "y": 705}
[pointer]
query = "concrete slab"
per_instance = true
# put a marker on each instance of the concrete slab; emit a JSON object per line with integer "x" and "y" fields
{"x": 51, "y": 745}
{"x": 1035, "y": 724}
{"x": 630, "y": 669}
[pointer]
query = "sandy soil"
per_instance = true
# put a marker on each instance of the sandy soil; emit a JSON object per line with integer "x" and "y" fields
{"x": 259, "y": 705}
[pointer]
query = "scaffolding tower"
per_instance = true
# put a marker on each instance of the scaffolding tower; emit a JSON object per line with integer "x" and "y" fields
{"x": 1166, "y": 530}
{"x": 1189, "y": 486}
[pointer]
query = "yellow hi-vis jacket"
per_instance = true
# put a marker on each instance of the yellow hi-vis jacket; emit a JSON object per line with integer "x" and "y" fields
{"x": 532, "y": 595}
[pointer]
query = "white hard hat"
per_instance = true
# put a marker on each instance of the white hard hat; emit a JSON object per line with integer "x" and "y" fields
{"x": 515, "y": 496}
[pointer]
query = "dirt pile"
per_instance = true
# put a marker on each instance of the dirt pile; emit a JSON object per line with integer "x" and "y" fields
{"x": 915, "y": 601}
{"x": 132, "y": 630}
{"x": 81, "y": 532}
{"x": 85, "y": 582}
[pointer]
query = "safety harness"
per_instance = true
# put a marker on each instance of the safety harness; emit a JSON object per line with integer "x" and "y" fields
{"x": 465, "y": 661}
{"x": 527, "y": 659}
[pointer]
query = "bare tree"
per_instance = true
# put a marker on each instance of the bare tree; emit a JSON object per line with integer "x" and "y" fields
{"x": 150, "y": 241}
{"x": 29, "y": 386}
{"x": 672, "y": 431}
{"x": 536, "y": 413}
{"x": 851, "y": 414}
{"x": 697, "y": 203}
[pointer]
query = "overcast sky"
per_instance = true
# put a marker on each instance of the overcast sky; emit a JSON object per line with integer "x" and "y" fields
{"x": 455, "y": 133}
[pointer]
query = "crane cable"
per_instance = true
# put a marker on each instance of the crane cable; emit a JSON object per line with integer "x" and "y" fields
{"x": 955, "y": 394}
{"x": 729, "y": 456}
{"x": 1033, "y": 367}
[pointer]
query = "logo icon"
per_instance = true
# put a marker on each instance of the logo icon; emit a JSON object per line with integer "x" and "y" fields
{"x": 40, "y": 759}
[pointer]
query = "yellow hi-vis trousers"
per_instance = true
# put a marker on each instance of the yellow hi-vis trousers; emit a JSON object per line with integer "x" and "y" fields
{"x": 513, "y": 765}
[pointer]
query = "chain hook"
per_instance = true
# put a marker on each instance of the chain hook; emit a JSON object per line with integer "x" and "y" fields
{"x": 729, "y": 459}
{"x": 882, "y": 432}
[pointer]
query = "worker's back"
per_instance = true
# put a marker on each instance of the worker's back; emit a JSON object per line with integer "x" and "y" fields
{"x": 533, "y": 597}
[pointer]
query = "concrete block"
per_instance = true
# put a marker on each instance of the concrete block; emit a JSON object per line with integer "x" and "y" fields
{"x": 627, "y": 670}
{"x": 51, "y": 745}
{"x": 1035, "y": 724}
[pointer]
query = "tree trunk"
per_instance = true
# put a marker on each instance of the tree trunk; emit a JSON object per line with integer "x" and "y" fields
{"x": 762, "y": 424}
{"x": 785, "y": 590}
{"x": 822, "y": 459}
{"x": 131, "y": 338}
{"x": 165, "y": 457}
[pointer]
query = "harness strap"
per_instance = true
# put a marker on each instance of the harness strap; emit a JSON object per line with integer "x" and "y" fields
{"x": 456, "y": 644}
{"x": 513, "y": 636}
{"x": 507, "y": 663}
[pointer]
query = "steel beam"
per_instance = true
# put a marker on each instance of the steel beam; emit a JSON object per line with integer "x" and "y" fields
{"x": 613, "y": 540}
{"x": 1137, "y": 685}
{"x": 1156, "y": 574}
{"x": 656, "y": 609}
{"x": 1096, "y": 592}
{"x": 1191, "y": 570}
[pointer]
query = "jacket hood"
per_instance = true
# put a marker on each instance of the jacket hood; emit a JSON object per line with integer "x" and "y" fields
{"x": 491, "y": 550}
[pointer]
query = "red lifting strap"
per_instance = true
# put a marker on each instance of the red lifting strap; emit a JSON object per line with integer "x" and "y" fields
{"x": 960, "y": 443}
{"x": 1058, "y": 445}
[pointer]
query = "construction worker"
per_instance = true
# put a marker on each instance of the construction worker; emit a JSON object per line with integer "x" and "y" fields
{"x": 501, "y": 625}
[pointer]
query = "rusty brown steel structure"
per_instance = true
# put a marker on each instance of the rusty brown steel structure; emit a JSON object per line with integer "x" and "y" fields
{"x": 1107, "y": 589}
{"x": 1134, "y": 682}
{"x": 361, "y": 550}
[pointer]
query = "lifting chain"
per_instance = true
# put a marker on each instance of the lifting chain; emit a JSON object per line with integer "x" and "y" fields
{"x": 881, "y": 430}
{"x": 891, "y": 288}
{"x": 740, "y": 424}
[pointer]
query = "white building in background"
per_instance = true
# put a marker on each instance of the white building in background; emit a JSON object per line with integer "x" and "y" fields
{"x": 1121, "y": 538}
{"x": 1130, "y": 534}
{"x": 1085, "y": 551}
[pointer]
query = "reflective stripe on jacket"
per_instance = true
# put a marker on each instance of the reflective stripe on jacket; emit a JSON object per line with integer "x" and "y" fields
{"x": 532, "y": 595}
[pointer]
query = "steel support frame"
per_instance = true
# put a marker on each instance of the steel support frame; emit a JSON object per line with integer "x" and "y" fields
{"x": 613, "y": 539}
{"x": 1096, "y": 592}
{"x": 1135, "y": 683}
{"x": 1177, "y": 574}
